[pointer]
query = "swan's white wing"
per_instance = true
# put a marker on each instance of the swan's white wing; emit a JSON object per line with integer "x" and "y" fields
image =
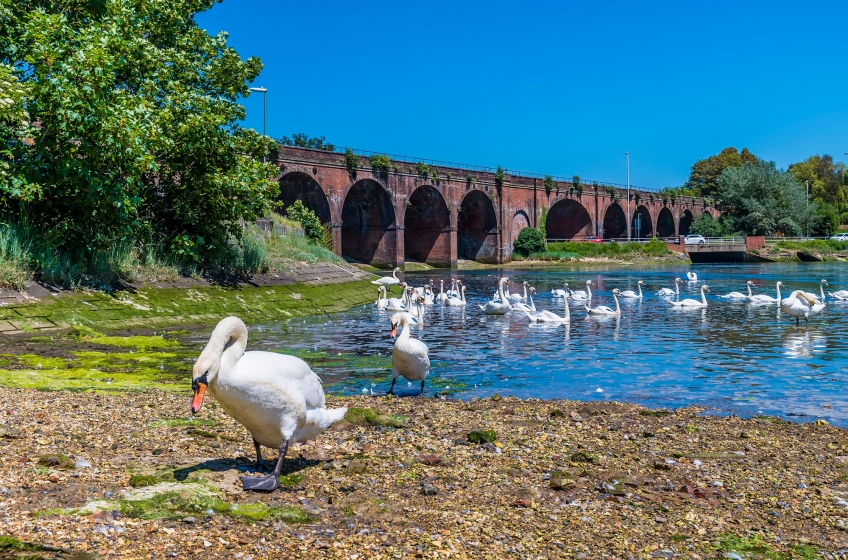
{"x": 291, "y": 374}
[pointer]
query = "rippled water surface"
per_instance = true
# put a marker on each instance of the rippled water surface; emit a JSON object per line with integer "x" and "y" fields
{"x": 732, "y": 357}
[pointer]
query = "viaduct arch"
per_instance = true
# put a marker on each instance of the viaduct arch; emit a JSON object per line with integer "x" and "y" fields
{"x": 439, "y": 214}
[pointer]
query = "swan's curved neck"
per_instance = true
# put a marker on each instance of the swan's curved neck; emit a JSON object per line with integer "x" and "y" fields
{"x": 228, "y": 343}
{"x": 617, "y": 308}
{"x": 462, "y": 294}
{"x": 588, "y": 290}
{"x": 703, "y": 296}
{"x": 441, "y": 287}
{"x": 750, "y": 293}
{"x": 394, "y": 274}
{"x": 501, "y": 293}
{"x": 566, "y": 310}
{"x": 639, "y": 287}
{"x": 778, "y": 292}
{"x": 677, "y": 287}
{"x": 821, "y": 287}
{"x": 525, "y": 291}
{"x": 404, "y": 333}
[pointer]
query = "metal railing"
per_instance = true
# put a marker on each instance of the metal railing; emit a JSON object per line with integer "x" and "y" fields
{"x": 718, "y": 241}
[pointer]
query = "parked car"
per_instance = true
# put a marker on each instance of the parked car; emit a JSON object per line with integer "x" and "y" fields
{"x": 840, "y": 237}
{"x": 593, "y": 239}
{"x": 694, "y": 239}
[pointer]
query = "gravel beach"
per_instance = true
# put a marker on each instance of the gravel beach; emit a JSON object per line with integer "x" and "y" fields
{"x": 132, "y": 475}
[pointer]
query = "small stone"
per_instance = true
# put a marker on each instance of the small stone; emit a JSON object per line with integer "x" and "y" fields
{"x": 745, "y": 435}
{"x": 430, "y": 460}
{"x": 53, "y": 478}
{"x": 189, "y": 519}
{"x": 491, "y": 448}
{"x": 312, "y": 509}
{"x": 664, "y": 553}
{"x": 661, "y": 519}
{"x": 214, "y": 444}
{"x": 429, "y": 489}
{"x": 82, "y": 464}
{"x": 108, "y": 494}
{"x": 733, "y": 556}
{"x": 529, "y": 493}
{"x": 802, "y": 486}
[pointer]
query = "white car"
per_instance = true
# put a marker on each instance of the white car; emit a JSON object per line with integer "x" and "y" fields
{"x": 840, "y": 237}
{"x": 694, "y": 239}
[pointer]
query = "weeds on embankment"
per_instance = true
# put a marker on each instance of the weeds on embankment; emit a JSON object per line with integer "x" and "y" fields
{"x": 821, "y": 246}
{"x": 575, "y": 250}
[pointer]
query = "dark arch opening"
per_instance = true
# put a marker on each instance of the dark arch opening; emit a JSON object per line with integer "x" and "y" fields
{"x": 568, "y": 219}
{"x": 686, "y": 222}
{"x": 519, "y": 222}
{"x": 366, "y": 217}
{"x": 477, "y": 235}
{"x": 615, "y": 222}
{"x": 707, "y": 212}
{"x": 642, "y": 228}
{"x": 302, "y": 187}
{"x": 665, "y": 223}
{"x": 426, "y": 235}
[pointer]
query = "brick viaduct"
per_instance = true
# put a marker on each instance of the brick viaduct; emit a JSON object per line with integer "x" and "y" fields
{"x": 439, "y": 214}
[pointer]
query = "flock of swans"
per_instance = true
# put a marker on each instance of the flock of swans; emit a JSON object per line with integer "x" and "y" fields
{"x": 410, "y": 356}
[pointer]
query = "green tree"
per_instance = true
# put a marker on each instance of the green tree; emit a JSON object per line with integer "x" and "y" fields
{"x": 759, "y": 199}
{"x": 828, "y": 181}
{"x": 302, "y": 140}
{"x": 131, "y": 129}
{"x": 529, "y": 241}
{"x": 311, "y": 224}
{"x": 703, "y": 179}
{"x": 708, "y": 227}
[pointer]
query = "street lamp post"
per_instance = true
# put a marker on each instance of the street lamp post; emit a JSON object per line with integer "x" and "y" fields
{"x": 627, "y": 158}
{"x": 808, "y": 208}
{"x": 264, "y": 92}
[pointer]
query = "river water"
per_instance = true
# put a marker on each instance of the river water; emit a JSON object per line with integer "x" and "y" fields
{"x": 733, "y": 357}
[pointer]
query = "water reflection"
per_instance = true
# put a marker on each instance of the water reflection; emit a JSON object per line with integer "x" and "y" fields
{"x": 733, "y": 356}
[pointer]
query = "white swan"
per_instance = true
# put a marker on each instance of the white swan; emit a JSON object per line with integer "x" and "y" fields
{"x": 559, "y": 293}
{"x": 415, "y": 315}
{"x": 382, "y": 301}
{"x": 693, "y": 302}
{"x": 822, "y": 284}
{"x": 763, "y": 298}
{"x": 631, "y": 294}
{"x": 278, "y": 398}
{"x": 692, "y": 276}
{"x": 799, "y": 304}
{"x": 453, "y": 291}
{"x": 665, "y": 292}
{"x": 581, "y": 295}
{"x": 603, "y": 309}
{"x": 410, "y": 357}
{"x": 523, "y": 306}
{"x": 456, "y": 302}
{"x": 429, "y": 296}
{"x": 501, "y": 306}
{"x": 442, "y": 297}
{"x": 388, "y": 280}
{"x": 546, "y": 316}
{"x": 399, "y": 304}
{"x": 739, "y": 295}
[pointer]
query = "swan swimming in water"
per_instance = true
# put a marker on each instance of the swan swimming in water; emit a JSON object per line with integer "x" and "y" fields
{"x": 388, "y": 280}
{"x": 546, "y": 316}
{"x": 278, "y": 398}
{"x": 523, "y": 306}
{"x": 582, "y": 295}
{"x": 442, "y": 297}
{"x": 410, "y": 356}
{"x": 399, "y": 304}
{"x": 763, "y": 298}
{"x": 501, "y": 306}
{"x": 690, "y": 303}
{"x": 692, "y": 276}
{"x": 631, "y": 294}
{"x": 603, "y": 309}
{"x": 457, "y": 301}
{"x": 559, "y": 292}
{"x": 739, "y": 295}
{"x": 382, "y": 301}
{"x": 665, "y": 292}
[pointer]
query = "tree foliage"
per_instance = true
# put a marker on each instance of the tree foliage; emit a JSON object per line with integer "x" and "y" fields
{"x": 759, "y": 199}
{"x": 708, "y": 227}
{"x": 703, "y": 179}
{"x": 828, "y": 183}
{"x": 128, "y": 127}
{"x": 301, "y": 140}
{"x": 530, "y": 240}
{"x": 311, "y": 224}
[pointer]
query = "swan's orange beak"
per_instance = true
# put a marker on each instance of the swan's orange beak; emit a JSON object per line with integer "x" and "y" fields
{"x": 394, "y": 331}
{"x": 199, "y": 386}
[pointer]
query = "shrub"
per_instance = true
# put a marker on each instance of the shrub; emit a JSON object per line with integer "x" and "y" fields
{"x": 549, "y": 184}
{"x": 422, "y": 168}
{"x": 529, "y": 241}
{"x": 351, "y": 161}
{"x": 499, "y": 178}
{"x": 307, "y": 219}
{"x": 380, "y": 162}
{"x": 578, "y": 186}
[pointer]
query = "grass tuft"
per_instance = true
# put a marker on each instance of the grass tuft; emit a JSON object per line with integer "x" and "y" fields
{"x": 371, "y": 417}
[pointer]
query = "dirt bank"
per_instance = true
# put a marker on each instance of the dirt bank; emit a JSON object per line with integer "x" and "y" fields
{"x": 558, "y": 479}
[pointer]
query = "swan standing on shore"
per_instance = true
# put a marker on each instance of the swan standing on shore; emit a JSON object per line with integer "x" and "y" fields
{"x": 501, "y": 306}
{"x": 278, "y": 398}
{"x": 388, "y": 280}
{"x": 603, "y": 309}
{"x": 631, "y": 294}
{"x": 410, "y": 356}
{"x": 665, "y": 292}
{"x": 763, "y": 298}
{"x": 460, "y": 301}
{"x": 693, "y": 302}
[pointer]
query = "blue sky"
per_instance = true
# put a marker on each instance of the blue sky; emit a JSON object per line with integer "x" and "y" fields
{"x": 558, "y": 88}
